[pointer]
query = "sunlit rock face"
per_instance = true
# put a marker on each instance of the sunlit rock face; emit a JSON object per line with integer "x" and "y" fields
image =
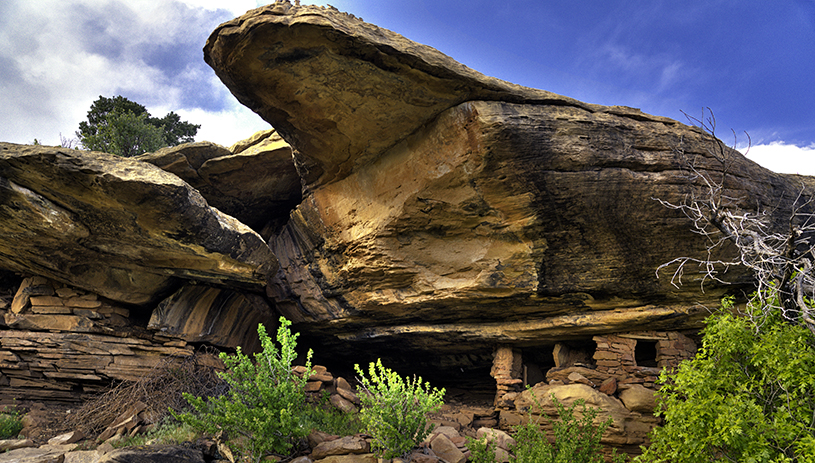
{"x": 446, "y": 212}
{"x": 123, "y": 229}
{"x": 254, "y": 180}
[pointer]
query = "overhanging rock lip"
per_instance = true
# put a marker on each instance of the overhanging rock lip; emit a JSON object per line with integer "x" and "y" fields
{"x": 568, "y": 326}
{"x": 139, "y": 227}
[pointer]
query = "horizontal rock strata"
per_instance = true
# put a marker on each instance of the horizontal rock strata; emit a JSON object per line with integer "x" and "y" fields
{"x": 63, "y": 344}
{"x": 74, "y": 366}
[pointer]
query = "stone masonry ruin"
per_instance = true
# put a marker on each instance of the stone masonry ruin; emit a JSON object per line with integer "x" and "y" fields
{"x": 467, "y": 229}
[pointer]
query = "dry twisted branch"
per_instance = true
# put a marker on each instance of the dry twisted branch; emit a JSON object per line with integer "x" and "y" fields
{"x": 781, "y": 261}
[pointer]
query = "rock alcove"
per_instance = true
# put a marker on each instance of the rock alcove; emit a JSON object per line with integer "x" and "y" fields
{"x": 480, "y": 234}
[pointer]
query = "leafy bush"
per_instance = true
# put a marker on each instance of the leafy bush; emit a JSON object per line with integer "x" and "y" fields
{"x": 575, "y": 441}
{"x": 265, "y": 409}
{"x": 748, "y": 395}
{"x": 168, "y": 431}
{"x": 394, "y": 409}
{"x": 327, "y": 418}
{"x": 481, "y": 450}
{"x": 10, "y": 423}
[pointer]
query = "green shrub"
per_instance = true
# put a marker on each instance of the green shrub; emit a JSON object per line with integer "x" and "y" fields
{"x": 394, "y": 409}
{"x": 265, "y": 409}
{"x": 576, "y": 440}
{"x": 327, "y": 418}
{"x": 481, "y": 450}
{"x": 10, "y": 423}
{"x": 168, "y": 431}
{"x": 748, "y": 395}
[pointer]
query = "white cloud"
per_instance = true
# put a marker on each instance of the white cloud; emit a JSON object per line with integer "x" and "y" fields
{"x": 224, "y": 127}
{"x": 236, "y": 7}
{"x": 57, "y": 57}
{"x": 783, "y": 158}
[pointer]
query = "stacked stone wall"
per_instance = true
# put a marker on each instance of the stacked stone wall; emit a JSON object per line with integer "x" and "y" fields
{"x": 62, "y": 344}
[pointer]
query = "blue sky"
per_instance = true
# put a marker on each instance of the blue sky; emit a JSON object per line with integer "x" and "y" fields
{"x": 751, "y": 62}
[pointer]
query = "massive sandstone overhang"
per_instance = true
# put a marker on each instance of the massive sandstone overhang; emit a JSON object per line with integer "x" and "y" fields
{"x": 446, "y": 211}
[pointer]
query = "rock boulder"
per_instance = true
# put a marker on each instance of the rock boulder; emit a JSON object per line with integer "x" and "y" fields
{"x": 446, "y": 212}
{"x": 120, "y": 228}
{"x": 254, "y": 181}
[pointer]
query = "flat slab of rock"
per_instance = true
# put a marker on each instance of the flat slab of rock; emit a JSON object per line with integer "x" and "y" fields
{"x": 256, "y": 183}
{"x": 154, "y": 454}
{"x": 120, "y": 228}
{"x": 14, "y": 444}
{"x": 373, "y": 87}
{"x": 43, "y": 454}
{"x": 344, "y": 446}
{"x": 352, "y": 458}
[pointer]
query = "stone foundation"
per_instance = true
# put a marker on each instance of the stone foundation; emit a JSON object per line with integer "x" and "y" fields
{"x": 615, "y": 372}
{"x": 63, "y": 344}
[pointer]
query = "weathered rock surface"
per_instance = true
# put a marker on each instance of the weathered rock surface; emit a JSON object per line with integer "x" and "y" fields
{"x": 254, "y": 181}
{"x": 215, "y": 316}
{"x": 154, "y": 454}
{"x": 446, "y": 211}
{"x": 123, "y": 229}
{"x": 339, "y": 90}
{"x": 628, "y": 429}
{"x": 45, "y": 355}
{"x": 637, "y": 398}
{"x": 73, "y": 366}
{"x": 43, "y": 454}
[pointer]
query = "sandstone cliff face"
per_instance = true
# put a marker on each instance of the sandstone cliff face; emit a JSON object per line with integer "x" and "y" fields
{"x": 120, "y": 228}
{"x": 254, "y": 181}
{"x": 445, "y": 211}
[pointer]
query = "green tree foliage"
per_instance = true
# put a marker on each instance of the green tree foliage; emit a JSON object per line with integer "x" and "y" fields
{"x": 265, "y": 410}
{"x": 747, "y": 396}
{"x": 125, "y": 134}
{"x": 120, "y": 126}
{"x": 576, "y": 440}
{"x": 394, "y": 410}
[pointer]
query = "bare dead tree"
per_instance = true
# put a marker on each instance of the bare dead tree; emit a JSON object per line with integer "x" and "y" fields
{"x": 70, "y": 143}
{"x": 781, "y": 260}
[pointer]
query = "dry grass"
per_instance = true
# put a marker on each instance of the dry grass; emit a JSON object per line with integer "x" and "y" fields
{"x": 160, "y": 390}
